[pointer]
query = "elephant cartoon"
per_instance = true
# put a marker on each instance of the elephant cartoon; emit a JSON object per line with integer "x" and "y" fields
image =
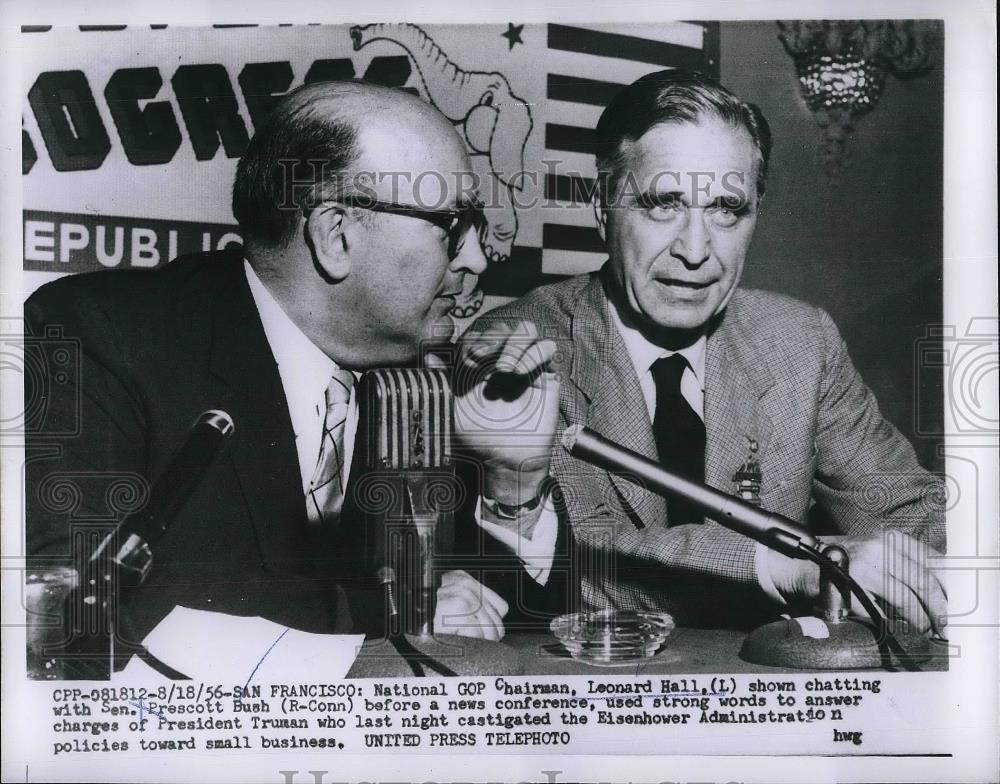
{"x": 495, "y": 123}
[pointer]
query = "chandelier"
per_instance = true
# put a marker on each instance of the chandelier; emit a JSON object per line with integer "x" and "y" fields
{"x": 842, "y": 67}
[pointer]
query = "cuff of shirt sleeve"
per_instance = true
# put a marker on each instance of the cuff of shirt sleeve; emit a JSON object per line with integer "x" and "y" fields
{"x": 535, "y": 553}
{"x": 764, "y": 579}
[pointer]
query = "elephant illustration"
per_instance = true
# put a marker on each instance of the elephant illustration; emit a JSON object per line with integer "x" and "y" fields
{"x": 494, "y": 121}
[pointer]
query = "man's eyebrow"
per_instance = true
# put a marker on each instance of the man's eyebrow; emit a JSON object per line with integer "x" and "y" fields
{"x": 731, "y": 201}
{"x": 651, "y": 195}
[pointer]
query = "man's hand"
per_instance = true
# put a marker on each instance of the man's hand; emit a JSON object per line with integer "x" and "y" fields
{"x": 506, "y": 407}
{"x": 893, "y": 568}
{"x": 467, "y": 607}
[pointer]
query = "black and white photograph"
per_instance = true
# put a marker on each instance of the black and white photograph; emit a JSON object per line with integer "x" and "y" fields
{"x": 500, "y": 394}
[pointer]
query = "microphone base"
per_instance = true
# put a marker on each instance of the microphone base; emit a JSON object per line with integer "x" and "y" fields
{"x": 385, "y": 658}
{"x": 814, "y": 644}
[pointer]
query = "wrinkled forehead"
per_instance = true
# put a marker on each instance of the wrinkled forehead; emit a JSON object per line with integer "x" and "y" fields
{"x": 417, "y": 160}
{"x": 709, "y": 156}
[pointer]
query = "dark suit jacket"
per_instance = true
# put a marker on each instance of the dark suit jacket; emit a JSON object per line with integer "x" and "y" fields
{"x": 777, "y": 372}
{"x": 153, "y": 350}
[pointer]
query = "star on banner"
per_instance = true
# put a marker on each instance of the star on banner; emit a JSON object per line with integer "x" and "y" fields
{"x": 513, "y": 35}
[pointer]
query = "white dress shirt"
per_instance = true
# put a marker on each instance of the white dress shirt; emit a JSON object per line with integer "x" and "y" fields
{"x": 306, "y": 371}
{"x": 643, "y": 354}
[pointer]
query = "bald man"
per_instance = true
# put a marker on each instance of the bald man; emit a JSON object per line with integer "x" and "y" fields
{"x": 359, "y": 228}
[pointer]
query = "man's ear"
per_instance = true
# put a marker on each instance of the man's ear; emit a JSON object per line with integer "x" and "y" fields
{"x": 600, "y": 214}
{"x": 327, "y": 237}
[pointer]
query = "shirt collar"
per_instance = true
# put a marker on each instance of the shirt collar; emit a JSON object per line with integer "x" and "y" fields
{"x": 644, "y": 353}
{"x": 297, "y": 356}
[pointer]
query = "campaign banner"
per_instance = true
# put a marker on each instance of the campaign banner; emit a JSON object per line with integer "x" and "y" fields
{"x": 62, "y": 241}
{"x": 130, "y": 135}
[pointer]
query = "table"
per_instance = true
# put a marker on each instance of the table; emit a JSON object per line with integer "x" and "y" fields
{"x": 687, "y": 651}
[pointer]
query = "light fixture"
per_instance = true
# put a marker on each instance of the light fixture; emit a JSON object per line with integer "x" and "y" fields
{"x": 842, "y": 67}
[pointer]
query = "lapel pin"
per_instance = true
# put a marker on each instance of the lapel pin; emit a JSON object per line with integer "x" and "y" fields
{"x": 747, "y": 478}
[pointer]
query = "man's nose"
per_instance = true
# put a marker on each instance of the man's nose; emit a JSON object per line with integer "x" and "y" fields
{"x": 692, "y": 244}
{"x": 470, "y": 256}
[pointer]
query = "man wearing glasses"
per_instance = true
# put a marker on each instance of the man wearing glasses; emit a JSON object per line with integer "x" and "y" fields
{"x": 352, "y": 261}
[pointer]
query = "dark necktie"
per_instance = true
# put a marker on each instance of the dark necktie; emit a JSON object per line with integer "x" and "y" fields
{"x": 679, "y": 433}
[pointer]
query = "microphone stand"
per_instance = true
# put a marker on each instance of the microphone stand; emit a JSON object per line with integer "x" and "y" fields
{"x": 408, "y": 425}
{"x": 830, "y": 640}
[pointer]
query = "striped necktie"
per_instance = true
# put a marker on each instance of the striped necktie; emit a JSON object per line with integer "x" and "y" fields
{"x": 325, "y": 496}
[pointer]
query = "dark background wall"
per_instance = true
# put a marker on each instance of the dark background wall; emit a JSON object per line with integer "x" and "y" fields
{"x": 868, "y": 247}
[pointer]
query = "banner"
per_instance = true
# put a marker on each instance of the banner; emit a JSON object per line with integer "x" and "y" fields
{"x": 131, "y": 134}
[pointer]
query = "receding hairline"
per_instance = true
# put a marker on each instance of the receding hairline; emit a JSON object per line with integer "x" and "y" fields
{"x": 352, "y": 103}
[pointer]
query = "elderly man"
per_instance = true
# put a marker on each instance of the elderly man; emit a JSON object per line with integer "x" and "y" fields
{"x": 344, "y": 270}
{"x": 749, "y": 391}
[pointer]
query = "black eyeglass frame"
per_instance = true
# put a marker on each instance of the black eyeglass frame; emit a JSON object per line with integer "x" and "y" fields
{"x": 455, "y": 222}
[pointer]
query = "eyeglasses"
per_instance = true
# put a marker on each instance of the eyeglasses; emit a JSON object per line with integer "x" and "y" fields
{"x": 455, "y": 223}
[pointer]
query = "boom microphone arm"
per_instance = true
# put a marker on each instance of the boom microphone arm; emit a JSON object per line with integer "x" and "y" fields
{"x": 773, "y": 530}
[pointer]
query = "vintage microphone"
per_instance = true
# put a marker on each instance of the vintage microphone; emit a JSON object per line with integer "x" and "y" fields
{"x": 124, "y": 558}
{"x": 774, "y": 530}
{"x": 406, "y": 446}
{"x": 408, "y": 498}
{"x": 136, "y": 534}
{"x": 833, "y": 640}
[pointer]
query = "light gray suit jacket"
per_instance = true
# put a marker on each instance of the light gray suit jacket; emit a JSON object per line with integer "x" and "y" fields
{"x": 777, "y": 372}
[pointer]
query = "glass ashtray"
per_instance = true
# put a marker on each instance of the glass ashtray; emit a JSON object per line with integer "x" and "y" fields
{"x": 610, "y": 637}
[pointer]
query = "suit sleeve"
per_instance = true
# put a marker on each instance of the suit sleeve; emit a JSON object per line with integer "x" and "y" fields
{"x": 85, "y": 448}
{"x": 531, "y": 604}
{"x": 700, "y": 573}
{"x": 867, "y": 475}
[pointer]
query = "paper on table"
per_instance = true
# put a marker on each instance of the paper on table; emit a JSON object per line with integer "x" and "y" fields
{"x": 219, "y": 648}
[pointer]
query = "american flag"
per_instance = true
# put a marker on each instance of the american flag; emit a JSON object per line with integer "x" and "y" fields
{"x": 585, "y": 67}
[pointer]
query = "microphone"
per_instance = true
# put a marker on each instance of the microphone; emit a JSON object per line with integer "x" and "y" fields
{"x": 124, "y": 557}
{"x": 407, "y": 435}
{"x": 846, "y": 644}
{"x": 138, "y": 532}
{"x": 773, "y": 530}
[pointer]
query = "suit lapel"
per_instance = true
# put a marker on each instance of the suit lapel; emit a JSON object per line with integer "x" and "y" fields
{"x": 262, "y": 449}
{"x": 736, "y": 385}
{"x": 613, "y": 403}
